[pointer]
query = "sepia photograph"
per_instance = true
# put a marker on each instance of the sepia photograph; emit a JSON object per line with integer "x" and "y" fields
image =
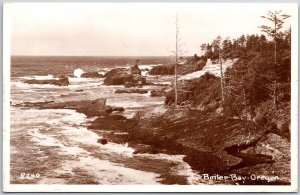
{"x": 150, "y": 97}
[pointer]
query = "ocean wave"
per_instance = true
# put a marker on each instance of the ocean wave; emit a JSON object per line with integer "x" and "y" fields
{"x": 39, "y": 77}
{"x": 78, "y": 72}
{"x": 182, "y": 168}
{"x": 82, "y": 80}
{"x": 22, "y": 85}
{"x": 65, "y": 132}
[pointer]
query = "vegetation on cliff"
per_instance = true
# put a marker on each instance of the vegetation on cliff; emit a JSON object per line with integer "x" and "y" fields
{"x": 256, "y": 87}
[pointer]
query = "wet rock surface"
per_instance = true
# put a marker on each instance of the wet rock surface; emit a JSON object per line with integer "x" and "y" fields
{"x": 64, "y": 81}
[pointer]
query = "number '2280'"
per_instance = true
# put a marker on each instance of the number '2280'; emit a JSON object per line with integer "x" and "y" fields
{"x": 29, "y": 175}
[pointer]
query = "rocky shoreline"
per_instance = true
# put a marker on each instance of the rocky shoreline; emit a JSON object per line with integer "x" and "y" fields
{"x": 211, "y": 142}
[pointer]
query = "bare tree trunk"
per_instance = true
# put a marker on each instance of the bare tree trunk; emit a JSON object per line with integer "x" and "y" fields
{"x": 175, "y": 87}
{"x": 222, "y": 81}
{"x": 176, "y": 62}
{"x": 244, "y": 90}
{"x": 275, "y": 61}
{"x": 275, "y": 94}
{"x": 245, "y": 100}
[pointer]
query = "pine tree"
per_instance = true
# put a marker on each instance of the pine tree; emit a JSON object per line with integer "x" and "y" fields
{"x": 277, "y": 20}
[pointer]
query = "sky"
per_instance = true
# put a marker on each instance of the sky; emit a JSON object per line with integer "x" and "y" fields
{"x": 126, "y": 29}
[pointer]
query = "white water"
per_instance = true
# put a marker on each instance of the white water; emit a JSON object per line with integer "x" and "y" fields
{"x": 77, "y": 147}
{"x": 78, "y": 72}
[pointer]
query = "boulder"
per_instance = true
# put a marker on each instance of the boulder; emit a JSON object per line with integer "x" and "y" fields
{"x": 102, "y": 141}
{"x": 123, "y": 76}
{"x": 91, "y": 75}
{"x": 64, "y": 81}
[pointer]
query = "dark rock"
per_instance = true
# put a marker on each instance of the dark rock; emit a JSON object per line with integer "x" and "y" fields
{"x": 140, "y": 91}
{"x": 159, "y": 93}
{"x": 64, "y": 81}
{"x": 203, "y": 137}
{"x": 109, "y": 110}
{"x": 79, "y": 90}
{"x": 90, "y": 108}
{"x": 91, "y": 75}
{"x": 118, "y": 109}
{"x": 102, "y": 141}
{"x": 162, "y": 70}
{"x": 190, "y": 65}
{"x": 203, "y": 92}
{"x": 143, "y": 148}
{"x": 135, "y": 70}
{"x": 123, "y": 76}
{"x": 113, "y": 122}
{"x": 277, "y": 149}
{"x": 61, "y": 76}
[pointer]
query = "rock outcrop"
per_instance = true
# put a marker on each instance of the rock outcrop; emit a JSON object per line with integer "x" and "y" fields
{"x": 277, "y": 149}
{"x": 190, "y": 64}
{"x": 112, "y": 122}
{"x": 64, "y": 81}
{"x": 91, "y": 75}
{"x": 203, "y": 138}
{"x": 90, "y": 108}
{"x": 123, "y": 76}
{"x": 167, "y": 69}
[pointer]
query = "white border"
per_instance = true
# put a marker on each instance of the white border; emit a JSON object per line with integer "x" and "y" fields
{"x": 7, "y": 187}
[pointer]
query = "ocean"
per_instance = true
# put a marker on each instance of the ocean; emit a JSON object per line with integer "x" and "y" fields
{"x": 54, "y": 146}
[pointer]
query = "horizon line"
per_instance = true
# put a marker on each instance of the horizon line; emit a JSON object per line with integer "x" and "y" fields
{"x": 90, "y": 56}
